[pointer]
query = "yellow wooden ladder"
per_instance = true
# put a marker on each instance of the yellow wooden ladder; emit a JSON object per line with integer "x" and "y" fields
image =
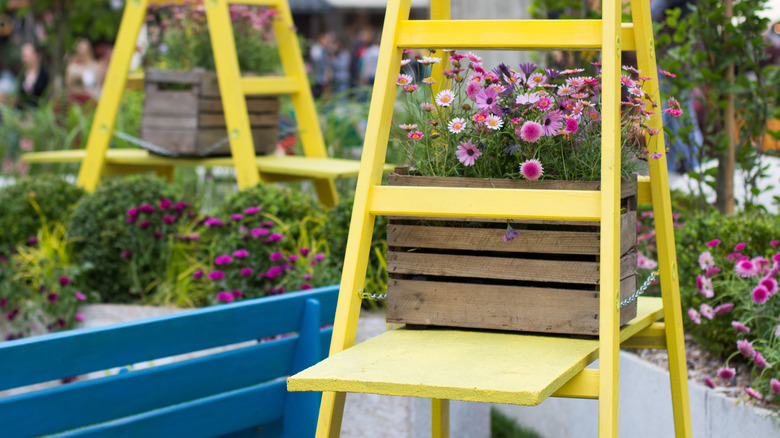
{"x": 98, "y": 160}
{"x": 500, "y": 367}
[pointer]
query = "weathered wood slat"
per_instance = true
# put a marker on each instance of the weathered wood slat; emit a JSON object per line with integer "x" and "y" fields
{"x": 180, "y": 140}
{"x": 253, "y": 105}
{"x": 183, "y": 103}
{"x": 208, "y": 120}
{"x": 173, "y": 76}
{"x": 168, "y": 122}
{"x": 546, "y": 310}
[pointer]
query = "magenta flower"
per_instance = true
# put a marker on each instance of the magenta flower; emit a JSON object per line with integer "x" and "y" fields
{"x": 305, "y": 286}
{"x": 169, "y": 219}
{"x": 144, "y": 224}
{"x": 531, "y": 169}
{"x": 726, "y": 373}
{"x": 165, "y": 204}
{"x": 746, "y": 268}
{"x": 64, "y": 281}
{"x": 225, "y": 297}
{"x": 739, "y": 327}
{"x": 304, "y": 251}
{"x": 713, "y": 242}
{"x": 276, "y": 256}
{"x": 760, "y": 361}
{"x": 240, "y": 253}
{"x": 709, "y": 382}
{"x": 181, "y": 206}
{"x": 770, "y": 284}
{"x": 245, "y": 272}
{"x": 132, "y": 212}
{"x": 319, "y": 256}
{"x": 740, "y": 246}
{"x": 78, "y": 317}
{"x": 746, "y": 348}
{"x": 223, "y": 260}
{"x": 252, "y": 210}
{"x": 486, "y": 99}
{"x": 259, "y": 232}
{"x": 3, "y": 302}
{"x": 693, "y": 314}
{"x": 216, "y": 275}
{"x": 656, "y": 155}
{"x": 753, "y": 393}
{"x": 531, "y": 131}
{"x": 760, "y": 294}
{"x": 307, "y": 276}
{"x": 733, "y": 256}
{"x": 293, "y": 258}
{"x": 724, "y": 309}
{"x": 274, "y": 272}
{"x": 146, "y": 208}
{"x": 236, "y": 217}
{"x": 52, "y": 297}
{"x": 551, "y": 125}
{"x": 197, "y": 274}
{"x": 571, "y": 125}
{"x": 275, "y": 237}
{"x": 126, "y": 254}
{"x": 712, "y": 271}
{"x": 467, "y": 153}
{"x": 237, "y": 293}
{"x": 706, "y": 311}
{"x": 32, "y": 240}
{"x": 80, "y": 296}
{"x": 510, "y": 234}
{"x": 775, "y": 385}
{"x": 774, "y": 242}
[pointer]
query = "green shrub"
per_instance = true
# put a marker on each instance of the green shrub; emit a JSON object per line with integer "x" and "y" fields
{"x": 101, "y": 234}
{"x": 19, "y": 221}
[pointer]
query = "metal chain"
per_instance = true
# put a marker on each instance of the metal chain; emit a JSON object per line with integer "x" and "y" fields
{"x": 371, "y": 297}
{"x": 639, "y": 291}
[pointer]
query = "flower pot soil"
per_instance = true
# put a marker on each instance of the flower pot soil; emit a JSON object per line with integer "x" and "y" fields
{"x": 461, "y": 273}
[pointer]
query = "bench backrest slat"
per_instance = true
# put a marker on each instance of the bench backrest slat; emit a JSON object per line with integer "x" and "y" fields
{"x": 207, "y": 417}
{"x": 132, "y": 342}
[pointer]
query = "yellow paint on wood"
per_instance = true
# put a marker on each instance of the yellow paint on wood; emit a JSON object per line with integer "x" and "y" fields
{"x": 440, "y": 418}
{"x": 270, "y": 85}
{"x": 651, "y": 337}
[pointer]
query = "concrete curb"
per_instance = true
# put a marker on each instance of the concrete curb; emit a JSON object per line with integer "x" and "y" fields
{"x": 646, "y": 410}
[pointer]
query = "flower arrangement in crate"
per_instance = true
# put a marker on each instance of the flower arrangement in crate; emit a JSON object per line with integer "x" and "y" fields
{"x": 531, "y": 128}
{"x": 736, "y": 298}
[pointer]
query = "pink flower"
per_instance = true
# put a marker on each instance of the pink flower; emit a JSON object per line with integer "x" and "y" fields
{"x": 52, "y": 298}
{"x": 64, "y": 281}
{"x": 274, "y": 272}
{"x": 571, "y": 125}
{"x": 225, "y": 297}
{"x": 144, "y": 224}
{"x": 146, "y": 208}
{"x": 706, "y": 311}
{"x": 704, "y": 285}
{"x": 706, "y": 261}
{"x": 775, "y": 385}
{"x": 197, "y": 274}
{"x": 510, "y": 234}
{"x": 656, "y": 155}
{"x": 165, "y": 204}
{"x": 531, "y": 169}
{"x": 467, "y": 153}
{"x": 276, "y": 256}
{"x": 213, "y": 222}
{"x": 259, "y": 232}
{"x": 307, "y": 276}
{"x": 169, "y": 219}
{"x": 275, "y": 237}
{"x": 305, "y": 286}
{"x": 645, "y": 263}
{"x": 531, "y": 131}
{"x": 760, "y": 294}
{"x": 181, "y": 206}
{"x": 319, "y": 257}
{"x": 78, "y": 317}
{"x": 237, "y": 293}
{"x": 445, "y": 98}
{"x": 245, "y": 272}
{"x": 80, "y": 296}
{"x": 760, "y": 361}
{"x": 733, "y": 256}
{"x": 223, "y": 260}
{"x": 727, "y": 373}
{"x": 240, "y": 253}
{"x": 770, "y": 284}
{"x": 694, "y": 316}
{"x": 739, "y": 327}
{"x": 714, "y": 242}
{"x": 304, "y": 251}
{"x": 746, "y": 348}
{"x": 216, "y": 275}
{"x": 486, "y": 99}
{"x": 415, "y": 135}
{"x": 724, "y": 309}
{"x": 403, "y": 79}
{"x": 746, "y": 268}
{"x": 252, "y": 210}
{"x": 740, "y": 246}
{"x": 236, "y": 217}
{"x": 753, "y": 393}
{"x": 132, "y": 212}
{"x": 666, "y": 73}
{"x": 712, "y": 271}
{"x": 709, "y": 382}
{"x": 774, "y": 242}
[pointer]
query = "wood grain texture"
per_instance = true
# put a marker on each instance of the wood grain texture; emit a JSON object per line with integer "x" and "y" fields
{"x": 253, "y": 104}
{"x": 212, "y": 120}
{"x": 184, "y": 103}
{"x": 173, "y": 76}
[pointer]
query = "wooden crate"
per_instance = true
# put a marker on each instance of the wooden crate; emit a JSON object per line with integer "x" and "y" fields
{"x": 183, "y": 114}
{"x": 461, "y": 273}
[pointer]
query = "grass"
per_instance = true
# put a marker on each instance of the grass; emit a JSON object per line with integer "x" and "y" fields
{"x": 502, "y": 426}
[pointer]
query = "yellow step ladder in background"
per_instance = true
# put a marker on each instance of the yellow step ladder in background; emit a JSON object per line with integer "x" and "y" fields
{"x": 500, "y": 367}
{"x": 98, "y": 160}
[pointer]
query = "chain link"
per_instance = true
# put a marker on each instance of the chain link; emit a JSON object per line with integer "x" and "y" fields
{"x": 639, "y": 291}
{"x": 371, "y": 297}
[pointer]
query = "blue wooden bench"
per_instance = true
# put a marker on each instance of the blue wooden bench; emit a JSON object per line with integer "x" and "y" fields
{"x": 239, "y": 392}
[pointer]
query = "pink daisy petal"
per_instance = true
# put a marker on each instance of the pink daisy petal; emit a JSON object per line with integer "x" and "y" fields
{"x": 724, "y": 309}
{"x": 746, "y": 348}
{"x": 775, "y": 385}
{"x": 753, "y": 393}
{"x": 726, "y": 373}
{"x": 531, "y": 169}
{"x": 739, "y": 327}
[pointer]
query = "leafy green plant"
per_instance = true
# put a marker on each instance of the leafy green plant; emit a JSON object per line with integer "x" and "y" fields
{"x": 501, "y": 426}
{"x": 100, "y": 232}
{"x": 19, "y": 221}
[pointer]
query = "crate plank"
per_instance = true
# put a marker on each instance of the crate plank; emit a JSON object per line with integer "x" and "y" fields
{"x": 173, "y": 76}
{"x": 209, "y": 120}
{"x": 545, "y": 310}
{"x": 170, "y": 103}
{"x": 182, "y": 141}
{"x": 169, "y": 122}
{"x": 253, "y": 105}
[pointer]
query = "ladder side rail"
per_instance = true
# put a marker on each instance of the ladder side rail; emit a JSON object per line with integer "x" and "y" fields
{"x": 664, "y": 227}
{"x": 309, "y": 127}
{"x": 229, "y": 77}
{"x": 609, "y": 298}
{"x": 116, "y": 77}
{"x": 362, "y": 223}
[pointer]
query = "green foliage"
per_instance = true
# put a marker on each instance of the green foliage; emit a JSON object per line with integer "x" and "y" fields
{"x": 700, "y": 47}
{"x": 19, "y": 221}
{"x": 501, "y": 426}
{"x": 181, "y": 41}
{"x": 101, "y": 233}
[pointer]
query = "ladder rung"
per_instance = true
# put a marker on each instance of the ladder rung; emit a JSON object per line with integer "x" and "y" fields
{"x": 644, "y": 196}
{"x": 583, "y": 385}
{"x": 517, "y": 34}
{"x": 651, "y": 337}
{"x": 269, "y": 85}
{"x": 471, "y": 202}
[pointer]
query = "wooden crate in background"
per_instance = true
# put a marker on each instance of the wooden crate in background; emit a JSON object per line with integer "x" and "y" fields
{"x": 460, "y": 273}
{"x": 183, "y": 114}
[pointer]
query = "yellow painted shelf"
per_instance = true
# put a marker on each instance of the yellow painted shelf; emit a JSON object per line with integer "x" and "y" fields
{"x": 466, "y": 365}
